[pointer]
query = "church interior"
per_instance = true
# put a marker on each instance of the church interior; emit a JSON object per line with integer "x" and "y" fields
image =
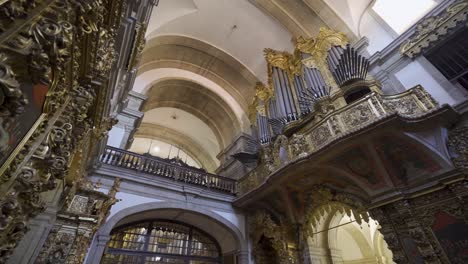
{"x": 233, "y": 131}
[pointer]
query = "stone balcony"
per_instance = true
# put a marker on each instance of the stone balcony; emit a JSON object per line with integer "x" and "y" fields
{"x": 306, "y": 140}
{"x": 303, "y": 140}
{"x": 173, "y": 170}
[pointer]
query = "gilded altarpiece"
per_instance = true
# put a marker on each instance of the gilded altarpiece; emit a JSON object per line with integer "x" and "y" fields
{"x": 84, "y": 211}
{"x": 55, "y": 58}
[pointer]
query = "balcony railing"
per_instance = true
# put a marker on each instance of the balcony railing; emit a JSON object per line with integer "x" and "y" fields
{"x": 159, "y": 167}
{"x": 413, "y": 103}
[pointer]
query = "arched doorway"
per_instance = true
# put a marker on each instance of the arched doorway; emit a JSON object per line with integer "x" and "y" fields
{"x": 161, "y": 241}
{"x": 355, "y": 242}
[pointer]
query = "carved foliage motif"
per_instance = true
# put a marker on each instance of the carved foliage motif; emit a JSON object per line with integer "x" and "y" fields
{"x": 298, "y": 146}
{"x": 431, "y": 29}
{"x": 320, "y": 135}
{"x": 262, "y": 225}
{"x": 358, "y": 116}
{"x": 404, "y": 106}
{"x": 408, "y": 225}
{"x": 337, "y": 123}
{"x": 12, "y": 100}
{"x": 458, "y": 143}
{"x": 51, "y": 46}
{"x": 76, "y": 224}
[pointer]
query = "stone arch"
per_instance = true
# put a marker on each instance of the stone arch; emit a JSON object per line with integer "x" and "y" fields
{"x": 199, "y": 101}
{"x": 229, "y": 78}
{"x": 102, "y": 235}
{"x": 321, "y": 13}
{"x": 335, "y": 221}
{"x": 173, "y": 137}
{"x": 147, "y": 79}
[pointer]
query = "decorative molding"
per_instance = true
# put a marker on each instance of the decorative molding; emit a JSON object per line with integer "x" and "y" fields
{"x": 429, "y": 30}
{"x": 335, "y": 124}
{"x": 67, "y": 47}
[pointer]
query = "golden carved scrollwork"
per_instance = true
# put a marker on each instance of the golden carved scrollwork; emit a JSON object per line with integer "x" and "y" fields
{"x": 336, "y": 123}
{"x": 319, "y": 46}
{"x": 458, "y": 143}
{"x": 280, "y": 59}
{"x": 262, "y": 225}
{"x": 139, "y": 43}
{"x": 318, "y": 49}
{"x": 431, "y": 29}
{"x": 84, "y": 212}
{"x": 262, "y": 94}
{"x": 67, "y": 46}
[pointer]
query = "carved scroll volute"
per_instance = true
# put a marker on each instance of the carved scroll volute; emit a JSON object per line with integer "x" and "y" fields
{"x": 12, "y": 100}
{"x": 48, "y": 52}
{"x": 318, "y": 49}
{"x": 262, "y": 225}
{"x": 262, "y": 94}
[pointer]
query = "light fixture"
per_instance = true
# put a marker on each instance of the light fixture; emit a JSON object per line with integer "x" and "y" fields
{"x": 156, "y": 149}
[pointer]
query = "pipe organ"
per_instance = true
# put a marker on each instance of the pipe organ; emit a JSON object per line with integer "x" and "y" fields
{"x": 319, "y": 75}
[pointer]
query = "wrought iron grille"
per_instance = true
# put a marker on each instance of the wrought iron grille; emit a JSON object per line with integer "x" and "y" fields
{"x": 161, "y": 241}
{"x": 451, "y": 58}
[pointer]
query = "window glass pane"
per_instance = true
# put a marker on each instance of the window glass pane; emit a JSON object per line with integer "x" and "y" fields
{"x": 169, "y": 238}
{"x": 202, "y": 246}
{"x": 120, "y": 259}
{"x": 132, "y": 238}
{"x": 157, "y": 260}
{"x": 161, "y": 242}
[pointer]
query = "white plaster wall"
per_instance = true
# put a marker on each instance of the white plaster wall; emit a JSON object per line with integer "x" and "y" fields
{"x": 223, "y": 209}
{"x": 349, "y": 248}
{"x": 350, "y": 11}
{"x": 379, "y": 37}
{"x": 115, "y": 136}
{"x": 234, "y": 26}
{"x": 414, "y": 74}
{"x": 236, "y": 219}
{"x": 127, "y": 200}
{"x": 147, "y": 79}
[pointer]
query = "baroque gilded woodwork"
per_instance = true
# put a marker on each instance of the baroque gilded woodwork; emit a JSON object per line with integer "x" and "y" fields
{"x": 413, "y": 103}
{"x": 432, "y": 29}
{"x": 323, "y": 200}
{"x": 318, "y": 49}
{"x": 262, "y": 226}
{"x": 83, "y": 213}
{"x": 457, "y": 142}
{"x": 139, "y": 44}
{"x": 262, "y": 94}
{"x": 67, "y": 48}
{"x": 425, "y": 228}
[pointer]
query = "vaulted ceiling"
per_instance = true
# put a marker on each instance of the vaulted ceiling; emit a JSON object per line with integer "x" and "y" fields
{"x": 203, "y": 58}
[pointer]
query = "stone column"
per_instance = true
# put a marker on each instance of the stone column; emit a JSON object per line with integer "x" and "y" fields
{"x": 243, "y": 257}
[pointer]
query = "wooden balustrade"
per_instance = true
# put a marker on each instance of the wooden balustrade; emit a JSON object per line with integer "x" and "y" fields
{"x": 160, "y": 167}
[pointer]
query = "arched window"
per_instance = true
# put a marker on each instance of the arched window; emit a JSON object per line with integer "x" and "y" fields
{"x": 161, "y": 241}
